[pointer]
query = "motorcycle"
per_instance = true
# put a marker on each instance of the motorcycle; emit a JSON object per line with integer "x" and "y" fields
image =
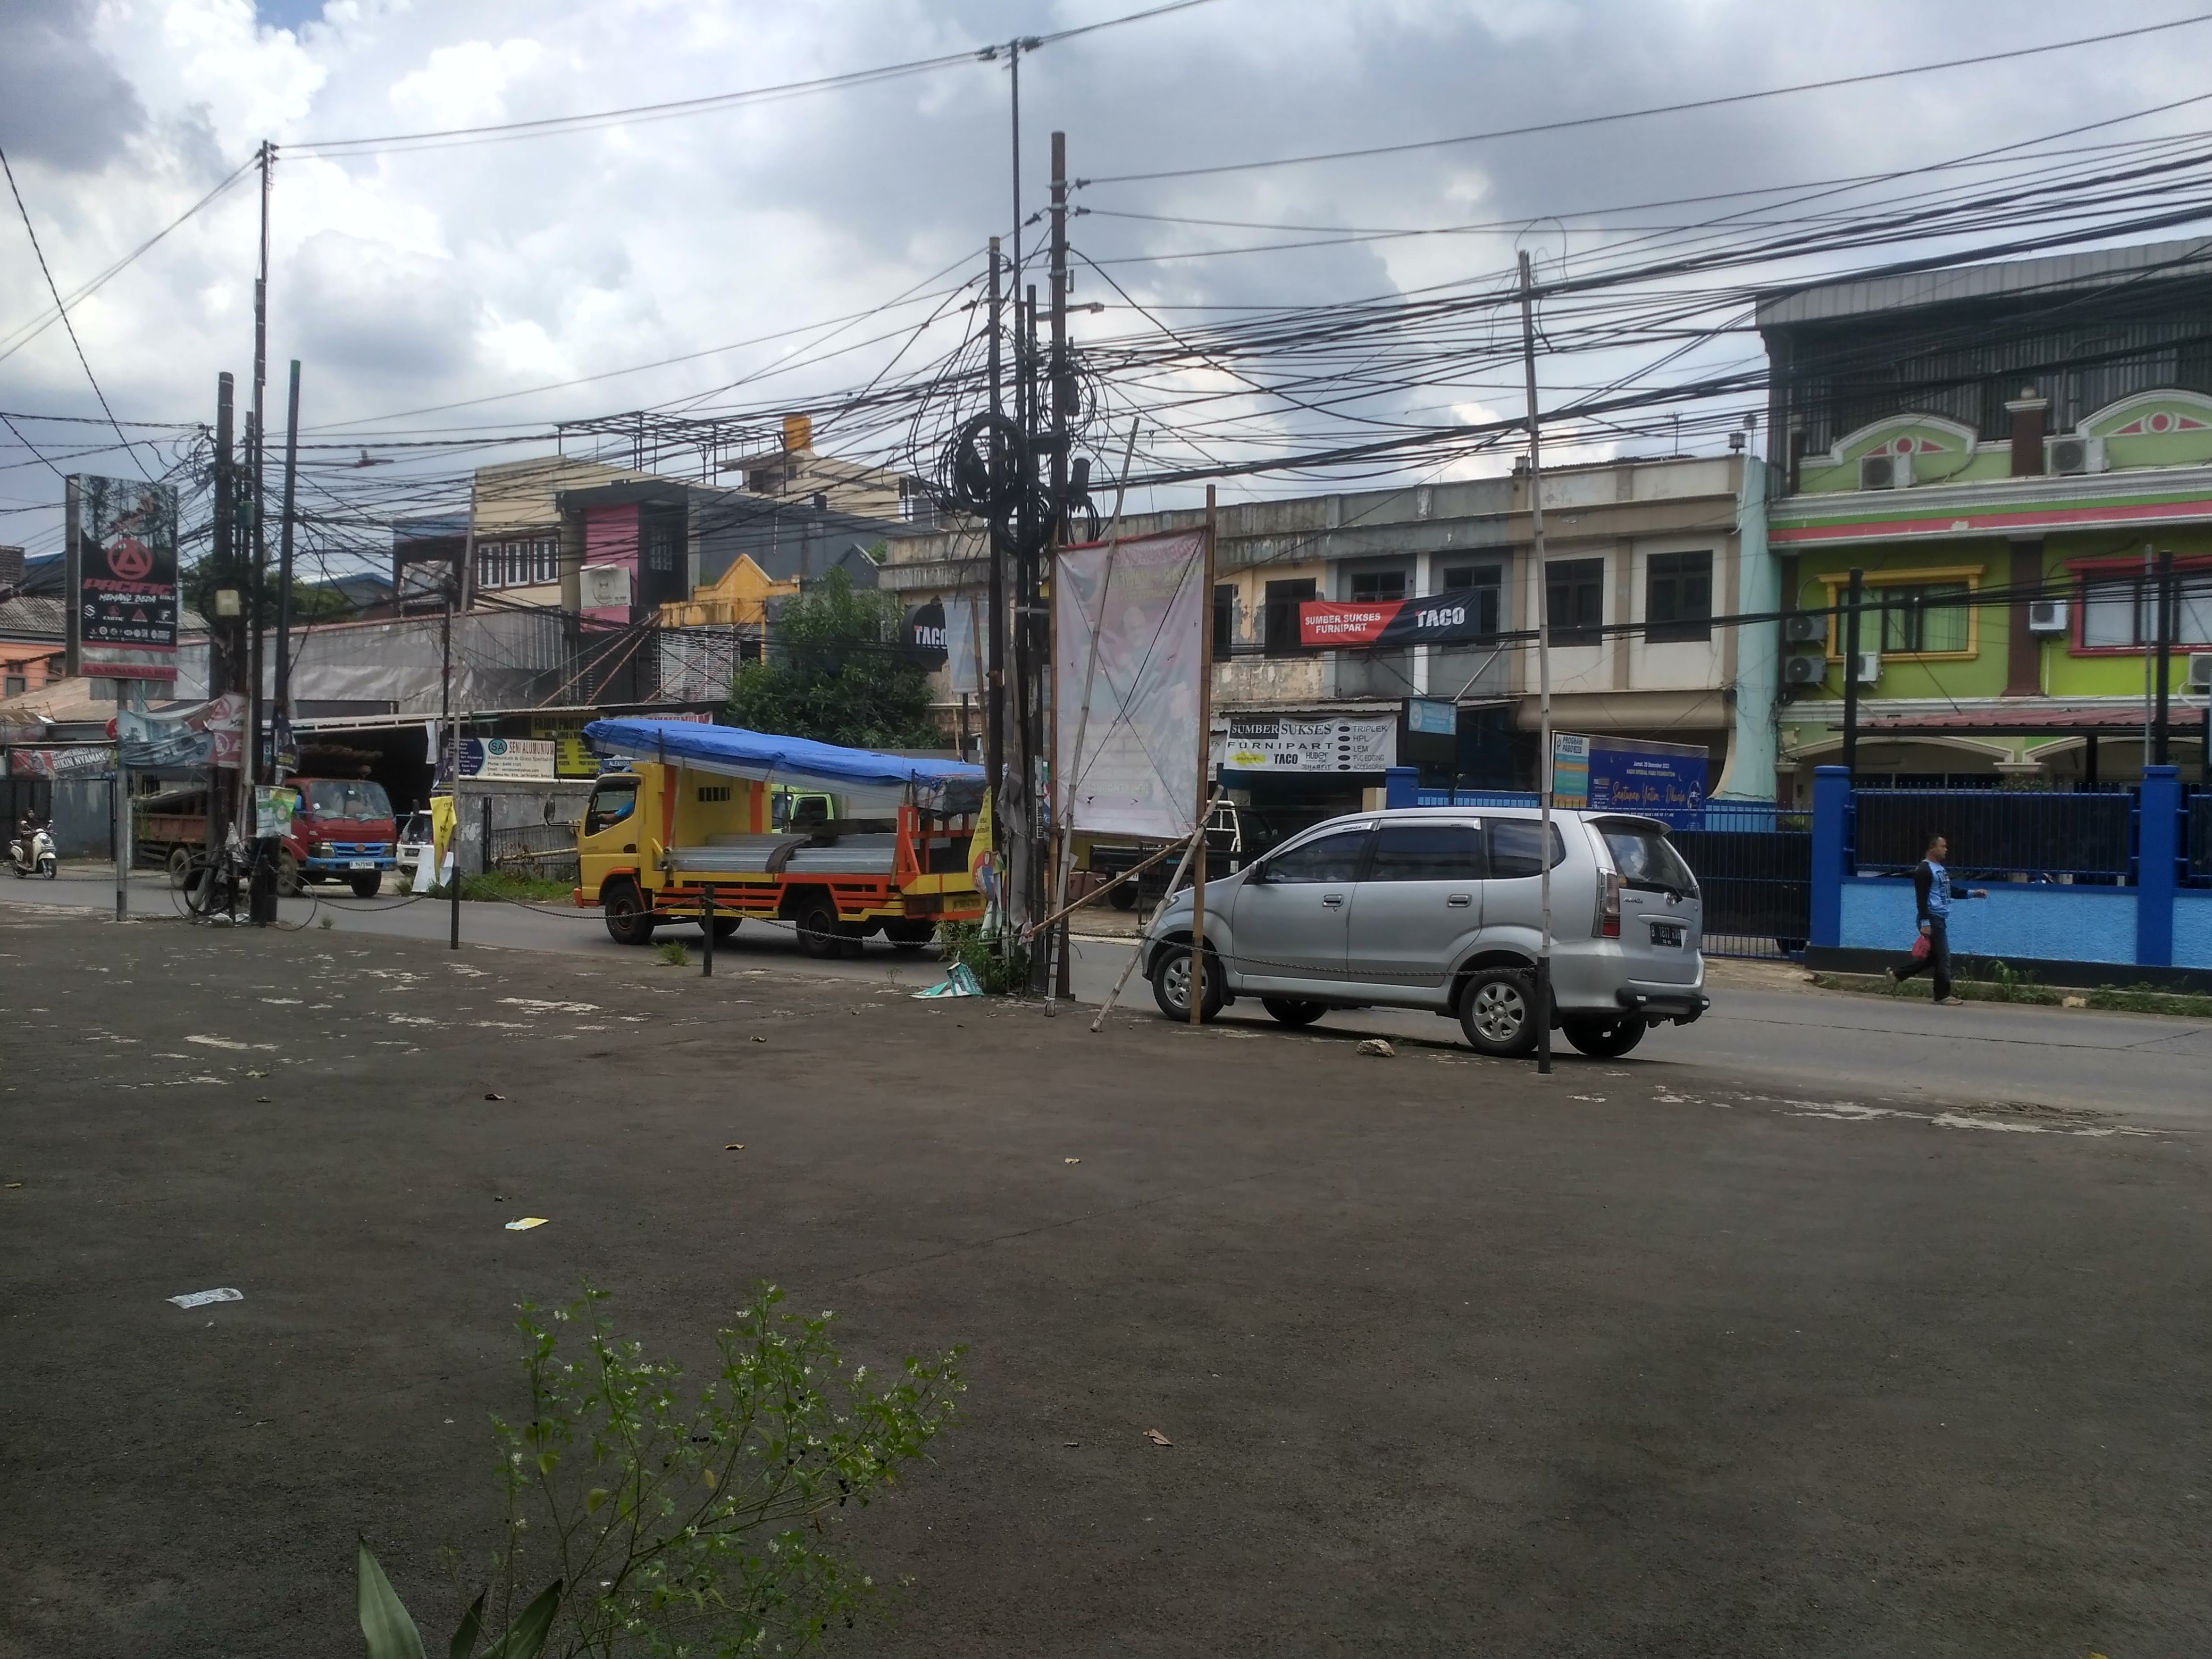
{"x": 34, "y": 856}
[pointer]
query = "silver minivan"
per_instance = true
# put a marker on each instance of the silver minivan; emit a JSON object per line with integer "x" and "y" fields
{"x": 1440, "y": 908}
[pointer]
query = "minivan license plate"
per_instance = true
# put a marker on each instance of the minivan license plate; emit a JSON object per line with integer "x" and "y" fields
{"x": 1667, "y": 933}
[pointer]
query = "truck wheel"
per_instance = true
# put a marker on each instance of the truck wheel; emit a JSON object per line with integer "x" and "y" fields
{"x": 289, "y": 882}
{"x": 1497, "y": 1010}
{"x": 1123, "y": 897}
{"x": 819, "y": 931}
{"x": 725, "y": 928}
{"x": 628, "y": 922}
{"x": 1172, "y": 984}
{"x": 368, "y": 887}
{"x": 180, "y": 866}
{"x": 910, "y": 935}
{"x": 1605, "y": 1039}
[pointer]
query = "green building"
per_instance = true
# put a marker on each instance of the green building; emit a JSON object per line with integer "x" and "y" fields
{"x": 2004, "y": 451}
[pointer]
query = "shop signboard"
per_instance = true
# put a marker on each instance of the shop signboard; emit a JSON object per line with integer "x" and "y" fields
{"x": 75, "y": 761}
{"x": 1282, "y": 744}
{"x": 1663, "y": 780}
{"x": 508, "y": 760}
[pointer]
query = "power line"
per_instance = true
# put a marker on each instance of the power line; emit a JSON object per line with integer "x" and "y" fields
{"x": 1640, "y": 114}
{"x": 550, "y": 125}
{"x": 31, "y": 232}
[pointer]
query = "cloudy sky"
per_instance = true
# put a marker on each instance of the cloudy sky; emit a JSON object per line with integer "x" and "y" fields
{"x": 413, "y": 279}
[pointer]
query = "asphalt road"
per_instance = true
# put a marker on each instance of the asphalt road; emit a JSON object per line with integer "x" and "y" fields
{"x": 1763, "y": 1023}
{"x": 1642, "y": 1357}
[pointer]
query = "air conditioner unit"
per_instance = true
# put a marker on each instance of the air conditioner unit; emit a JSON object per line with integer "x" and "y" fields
{"x": 2077, "y": 455}
{"x": 2200, "y": 670}
{"x": 1804, "y": 670}
{"x": 1885, "y": 471}
{"x": 2046, "y": 616}
{"x": 1805, "y": 629}
{"x": 1869, "y": 666}
{"x": 606, "y": 587}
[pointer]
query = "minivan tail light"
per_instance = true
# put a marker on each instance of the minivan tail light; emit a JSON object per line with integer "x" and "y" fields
{"x": 1609, "y": 905}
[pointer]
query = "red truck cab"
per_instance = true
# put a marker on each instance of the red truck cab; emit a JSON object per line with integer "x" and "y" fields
{"x": 343, "y": 830}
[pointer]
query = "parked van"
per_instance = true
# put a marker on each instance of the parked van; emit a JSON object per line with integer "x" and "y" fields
{"x": 1439, "y": 907}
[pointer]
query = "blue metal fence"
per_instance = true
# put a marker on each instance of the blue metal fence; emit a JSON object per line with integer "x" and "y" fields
{"x": 1999, "y": 835}
{"x": 2196, "y": 840}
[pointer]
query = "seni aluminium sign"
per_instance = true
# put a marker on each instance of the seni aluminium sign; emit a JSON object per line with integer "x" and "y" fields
{"x": 1278, "y": 743}
{"x": 1663, "y": 780}
{"x": 121, "y": 576}
{"x": 510, "y": 760}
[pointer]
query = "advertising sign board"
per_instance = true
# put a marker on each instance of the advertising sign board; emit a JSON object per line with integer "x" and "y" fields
{"x": 1279, "y": 743}
{"x": 120, "y": 573}
{"x": 1663, "y": 780}
{"x": 512, "y": 760}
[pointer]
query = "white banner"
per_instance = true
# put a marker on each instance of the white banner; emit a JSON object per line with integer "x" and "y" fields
{"x": 1275, "y": 742}
{"x": 1127, "y": 648}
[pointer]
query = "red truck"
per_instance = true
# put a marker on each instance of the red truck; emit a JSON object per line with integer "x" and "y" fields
{"x": 342, "y": 831}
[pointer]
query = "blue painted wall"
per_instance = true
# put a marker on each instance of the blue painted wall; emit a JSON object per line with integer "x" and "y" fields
{"x": 2016, "y": 922}
{"x": 2192, "y": 928}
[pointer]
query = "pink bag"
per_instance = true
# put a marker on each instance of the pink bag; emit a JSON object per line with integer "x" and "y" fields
{"x": 1920, "y": 948}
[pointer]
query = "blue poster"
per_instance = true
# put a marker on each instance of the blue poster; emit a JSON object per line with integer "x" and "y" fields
{"x": 1663, "y": 780}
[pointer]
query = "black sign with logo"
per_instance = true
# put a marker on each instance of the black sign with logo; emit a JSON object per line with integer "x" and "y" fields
{"x": 925, "y": 634}
{"x": 124, "y": 562}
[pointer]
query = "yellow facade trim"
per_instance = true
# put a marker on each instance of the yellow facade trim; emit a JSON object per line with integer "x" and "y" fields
{"x": 1838, "y": 584}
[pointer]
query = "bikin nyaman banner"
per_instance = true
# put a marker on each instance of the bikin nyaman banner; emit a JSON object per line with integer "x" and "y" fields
{"x": 1440, "y": 619}
{"x": 1127, "y": 648}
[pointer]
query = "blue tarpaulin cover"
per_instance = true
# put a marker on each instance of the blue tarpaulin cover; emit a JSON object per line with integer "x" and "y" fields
{"x": 766, "y": 758}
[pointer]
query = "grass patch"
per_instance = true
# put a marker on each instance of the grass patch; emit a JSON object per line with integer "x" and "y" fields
{"x": 506, "y": 885}
{"x": 2022, "y": 988}
{"x": 673, "y": 953}
{"x": 997, "y": 969}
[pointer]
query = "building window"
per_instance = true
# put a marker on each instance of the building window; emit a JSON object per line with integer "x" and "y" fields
{"x": 1377, "y": 586}
{"x": 1678, "y": 597}
{"x": 1224, "y": 620}
{"x": 548, "y": 560}
{"x": 660, "y": 547}
{"x": 1281, "y": 637}
{"x": 1479, "y": 587}
{"x": 2119, "y": 612}
{"x": 1930, "y": 621}
{"x": 1574, "y": 589}
{"x": 16, "y": 683}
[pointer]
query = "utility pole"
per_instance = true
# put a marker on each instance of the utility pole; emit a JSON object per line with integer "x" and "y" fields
{"x": 1201, "y": 851}
{"x": 262, "y": 906}
{"x": 453, "y": 749}
{"x": 221, "y": 646}
{"x": 2160, "y": 748}
{"x": 1059, "y": 388}
{"x": 994, "y": 532}
{"x": 1851, "y": 676}
{"x": 1541, "y": 578}
{"x": 284, "y": 554}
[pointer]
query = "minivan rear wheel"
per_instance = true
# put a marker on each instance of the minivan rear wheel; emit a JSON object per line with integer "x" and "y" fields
{"x": 1497, "y": 1010}
{"x": 1605, "y": 1039}
{"x": 1289, "y": 1011}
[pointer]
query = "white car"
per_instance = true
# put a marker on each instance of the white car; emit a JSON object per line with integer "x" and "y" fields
{"x": 415, "y": 844}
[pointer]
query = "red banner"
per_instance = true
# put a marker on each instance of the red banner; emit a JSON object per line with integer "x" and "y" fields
{"x": 1440, "y": 619}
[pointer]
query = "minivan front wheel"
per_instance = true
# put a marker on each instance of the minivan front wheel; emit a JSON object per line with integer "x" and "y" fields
{"x": 1606, "y": 1039}
{"x": 1497, "y": 1010}
{"x": 1172, "y": 984}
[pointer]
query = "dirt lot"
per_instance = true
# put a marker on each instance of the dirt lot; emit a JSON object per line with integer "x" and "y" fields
{"x": 1454, "y": 1359}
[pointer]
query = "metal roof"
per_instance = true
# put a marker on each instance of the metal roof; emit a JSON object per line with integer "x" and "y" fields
{"x": 2104, "y": 267}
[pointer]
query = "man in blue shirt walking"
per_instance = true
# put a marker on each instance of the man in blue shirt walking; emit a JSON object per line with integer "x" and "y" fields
{"x": 1933, "y": 897}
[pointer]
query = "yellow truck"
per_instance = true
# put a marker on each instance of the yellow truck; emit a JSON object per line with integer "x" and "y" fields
{"x": 840, "y": 843}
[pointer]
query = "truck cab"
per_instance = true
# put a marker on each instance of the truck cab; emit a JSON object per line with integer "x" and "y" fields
{"x": 342, "y": 830}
